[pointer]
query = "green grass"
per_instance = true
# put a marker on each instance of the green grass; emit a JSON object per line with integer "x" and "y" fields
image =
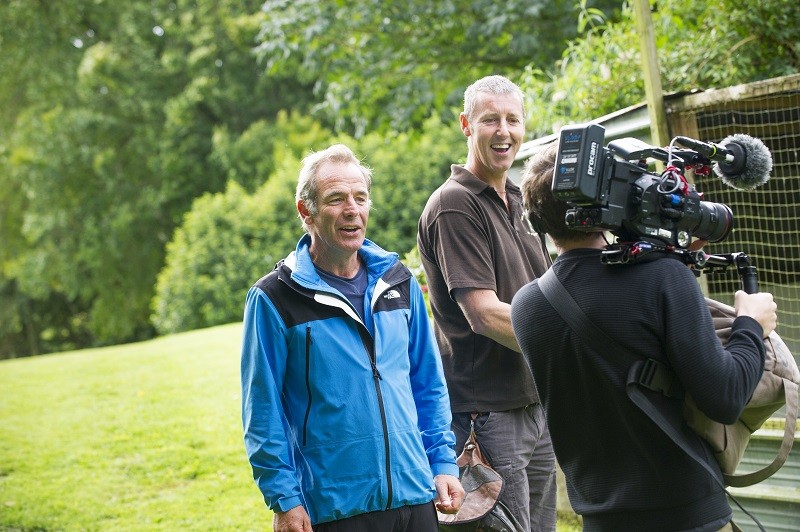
{"x": 142, "y": 436}
{"x": 132, "y": 437}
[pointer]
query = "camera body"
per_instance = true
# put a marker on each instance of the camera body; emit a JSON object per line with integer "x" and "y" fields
{"x": 611, "y": 189}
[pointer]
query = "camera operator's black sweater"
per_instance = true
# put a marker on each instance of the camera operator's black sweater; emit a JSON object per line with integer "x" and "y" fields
{"x": 623, "y": 473}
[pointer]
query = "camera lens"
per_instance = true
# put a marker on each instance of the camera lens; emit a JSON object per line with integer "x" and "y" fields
{"x": 716, "y": 221}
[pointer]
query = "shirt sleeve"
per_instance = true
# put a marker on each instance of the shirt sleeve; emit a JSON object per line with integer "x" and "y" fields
{"x": 267, "y": 436}
{"x": 430, "y": 389}
{"x": 460, "y": 243}
{"x": 720, "y": 379}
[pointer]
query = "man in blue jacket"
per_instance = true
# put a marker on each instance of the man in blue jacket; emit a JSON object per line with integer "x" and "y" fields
{"x": 344, "y": 404}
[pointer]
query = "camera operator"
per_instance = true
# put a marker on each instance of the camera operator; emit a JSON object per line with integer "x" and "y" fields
{"x": 623, "y": 472}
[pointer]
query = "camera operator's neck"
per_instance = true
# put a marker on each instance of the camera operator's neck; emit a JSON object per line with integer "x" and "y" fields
{"x": 592, "y": 241}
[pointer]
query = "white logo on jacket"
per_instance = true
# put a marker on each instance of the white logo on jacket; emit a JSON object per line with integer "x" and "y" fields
{"x": 391, "y": 294}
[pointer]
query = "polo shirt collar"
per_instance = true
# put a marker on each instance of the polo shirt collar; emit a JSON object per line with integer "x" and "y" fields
{"x": 475, "y": 185}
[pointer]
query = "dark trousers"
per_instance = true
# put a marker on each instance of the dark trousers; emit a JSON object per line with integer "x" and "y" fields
{"x": 417, "y": 518}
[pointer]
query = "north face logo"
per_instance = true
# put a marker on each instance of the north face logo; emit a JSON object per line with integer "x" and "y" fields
{"x": 391, "y": 294}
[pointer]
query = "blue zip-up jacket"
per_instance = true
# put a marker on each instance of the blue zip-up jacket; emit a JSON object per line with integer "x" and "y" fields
{"x": 341, "y": 415}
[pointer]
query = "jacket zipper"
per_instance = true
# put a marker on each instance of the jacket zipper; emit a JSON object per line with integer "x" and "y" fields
{"x": 369, "y": 345}
{"x": 308, "y": 382}
{"x": 376, "y": 376}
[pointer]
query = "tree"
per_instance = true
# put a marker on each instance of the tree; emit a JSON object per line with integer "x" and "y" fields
{"x": 700, "y": 45}
{"x": 43, "y": 31}
{"x": 111, "y": 141}
{"x": 390, "y": 65}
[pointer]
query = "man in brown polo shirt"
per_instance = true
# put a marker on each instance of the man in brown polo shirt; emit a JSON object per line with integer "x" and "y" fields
{"x": 477, "y": 253}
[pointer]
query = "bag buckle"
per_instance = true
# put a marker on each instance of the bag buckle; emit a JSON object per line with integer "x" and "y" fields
{"x": 657, "y": 377}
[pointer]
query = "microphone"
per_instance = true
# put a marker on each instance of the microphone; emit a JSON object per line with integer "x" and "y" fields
{"x": 741, "y": 161}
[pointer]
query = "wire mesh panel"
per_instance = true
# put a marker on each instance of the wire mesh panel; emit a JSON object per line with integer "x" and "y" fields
{"x": 767, "y": 228}
{"x": 767, "y": 219}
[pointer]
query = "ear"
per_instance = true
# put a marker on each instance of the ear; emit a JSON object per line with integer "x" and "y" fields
{"x": 303, "y": 210}
{"x": 465, "y": 125}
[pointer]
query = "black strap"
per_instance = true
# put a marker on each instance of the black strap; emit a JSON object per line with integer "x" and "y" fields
{"x": 642, "y": 372}
{"x": 651, "y": 373}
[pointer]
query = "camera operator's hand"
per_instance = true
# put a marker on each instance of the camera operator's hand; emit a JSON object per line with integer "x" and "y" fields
{"x": 761, "y": 307}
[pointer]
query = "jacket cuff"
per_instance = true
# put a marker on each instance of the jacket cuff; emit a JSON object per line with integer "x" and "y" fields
{"x": 284, "y": 505}
{"x": 445, "y": 469}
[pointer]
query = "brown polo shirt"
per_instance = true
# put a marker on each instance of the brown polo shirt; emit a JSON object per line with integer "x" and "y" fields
{"x": 467, "y": 239}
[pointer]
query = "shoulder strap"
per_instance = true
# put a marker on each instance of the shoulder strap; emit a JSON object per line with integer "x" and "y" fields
{"x": 650, "y": 373}
{"x": 579, "y": 322}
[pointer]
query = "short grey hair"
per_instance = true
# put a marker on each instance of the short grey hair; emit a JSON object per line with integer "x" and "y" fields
{"x": 309, "y": 173}
{"x": 491, "y": 85}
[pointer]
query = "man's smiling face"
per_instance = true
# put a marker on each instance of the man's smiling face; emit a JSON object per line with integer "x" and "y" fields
{"x": 495, "y": 133}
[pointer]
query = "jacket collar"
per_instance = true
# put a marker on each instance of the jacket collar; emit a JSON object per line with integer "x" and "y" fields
{"x": 379, "y": 262}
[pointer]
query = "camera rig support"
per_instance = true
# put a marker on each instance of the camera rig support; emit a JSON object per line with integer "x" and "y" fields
{"x": 621, "y": 253}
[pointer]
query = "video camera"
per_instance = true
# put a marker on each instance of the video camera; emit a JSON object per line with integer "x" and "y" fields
{"x": 612, "y": 189}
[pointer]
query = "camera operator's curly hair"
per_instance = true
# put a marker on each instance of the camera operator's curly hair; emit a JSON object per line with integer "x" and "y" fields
{"x": 545, "y": 212}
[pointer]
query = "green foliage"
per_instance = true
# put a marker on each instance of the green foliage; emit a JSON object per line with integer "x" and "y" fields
{"x": 44, "y": 31}
{"x": 91, "y": 203}
{"x": 727, "y": 43}
{"x": 390, "y": 65}
{"x": 110, "y": 112}
{"x": 700, "y": 45}
{"x": 219, "y": 251}
{"x": 184, "y": 300}
{"x": 247, "y": 158}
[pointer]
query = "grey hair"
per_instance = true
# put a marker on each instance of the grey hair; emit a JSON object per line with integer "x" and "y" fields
{"x": 309, "y": 173}
{"x": 491, "y": 85}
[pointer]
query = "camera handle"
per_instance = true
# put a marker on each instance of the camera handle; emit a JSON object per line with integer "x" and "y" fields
{"x": 744, "y": 267}
{"x": 749, "y": 276}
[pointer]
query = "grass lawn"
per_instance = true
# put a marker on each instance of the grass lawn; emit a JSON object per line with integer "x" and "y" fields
{"x": 143, "y": 436}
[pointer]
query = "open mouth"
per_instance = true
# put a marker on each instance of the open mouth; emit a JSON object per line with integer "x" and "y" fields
{"x": 350, "y": 230}
{"x": 501, "y": 148}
